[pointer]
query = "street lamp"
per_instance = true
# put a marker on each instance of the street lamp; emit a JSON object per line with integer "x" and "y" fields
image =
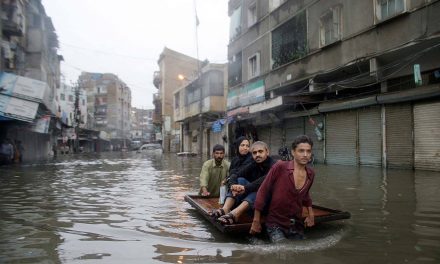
{"x": 182, "y": 77}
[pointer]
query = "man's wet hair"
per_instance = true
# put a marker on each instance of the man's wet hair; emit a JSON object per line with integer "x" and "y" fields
{"x": 302, "y": 139}
{"x": 260, "y": 143}
{"x": 218, "y": 147}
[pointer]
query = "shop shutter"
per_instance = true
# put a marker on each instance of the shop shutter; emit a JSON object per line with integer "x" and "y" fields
{"x": 341, "y": 138}
{"x": 276, "y": 138}
{"x": 292, "y": 128}
{"x": 318, "y": 146}
{"x": 427, "y": 136}
{"x": 264, "y": 134}
{"x": 399, "y": 136}
{"x": 370, "y": 136}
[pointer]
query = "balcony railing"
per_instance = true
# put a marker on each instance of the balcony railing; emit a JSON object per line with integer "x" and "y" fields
{"x": 12, "y": 20}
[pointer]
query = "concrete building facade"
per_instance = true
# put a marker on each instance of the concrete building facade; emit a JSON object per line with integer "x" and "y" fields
{"x": 30, "y": 76}
{"x": 171, "y": 65}
{"x": 319, "y": 68}
{"x": 109, "y": 106}
{"x": 199, "y": 108}
{"x": 141, "y": 125}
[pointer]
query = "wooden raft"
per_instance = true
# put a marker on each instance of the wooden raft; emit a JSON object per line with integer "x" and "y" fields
{"x": 204, "y": 205}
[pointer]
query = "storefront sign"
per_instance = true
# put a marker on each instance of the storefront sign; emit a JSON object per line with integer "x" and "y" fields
{"x": 249, "y": 94}
{"x": 17, "y": 108}
{"x": 22, "y": 87}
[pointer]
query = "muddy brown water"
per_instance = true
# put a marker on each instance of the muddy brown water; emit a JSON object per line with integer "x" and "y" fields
{"x": 129, "y": 208}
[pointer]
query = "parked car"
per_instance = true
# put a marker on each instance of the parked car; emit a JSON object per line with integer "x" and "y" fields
{"x": 151, "y": 148}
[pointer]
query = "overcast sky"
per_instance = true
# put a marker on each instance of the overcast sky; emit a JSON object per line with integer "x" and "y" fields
{"x": 126, "y": 37}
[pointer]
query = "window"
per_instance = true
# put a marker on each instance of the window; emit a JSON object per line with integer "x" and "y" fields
{"x": 274, "y": 4}
{"x": 254, "y": 66}
{"x": 177, "y": 101}
{"x": 389, "y": 8}
{"x": 289, "y": 41}
{"x": 330, "y": 26}
{"x": 252, "y": 14}
{"x": 235, "y": 26}
{"x": 216, "y": 83}
{"x": 70, "y": 98}
{"x": 62, "y": 97}
{"x": 234, "y": 70}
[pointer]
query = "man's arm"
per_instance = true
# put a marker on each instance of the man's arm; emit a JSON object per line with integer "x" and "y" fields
{"x": 256, "y": 223}
{"x": 262, "y": 198}
{"x": 310, "y": 219}
{"x": 241, "y": 173}
{"x": 204, "y": 177}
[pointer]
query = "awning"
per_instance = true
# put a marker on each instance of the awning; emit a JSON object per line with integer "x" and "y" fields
{"x": 16, "y": 108}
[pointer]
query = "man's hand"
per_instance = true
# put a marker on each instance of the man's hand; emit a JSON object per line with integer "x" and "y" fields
{"x": 204, "y": 191}
{"x": 256, "y": 227}
{"x": 309, "y": 221}
{"x": 237, "y": 189}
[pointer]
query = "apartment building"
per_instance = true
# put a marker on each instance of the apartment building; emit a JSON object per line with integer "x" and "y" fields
{"x": 141, "y": 125}
{"x": 199, "y": 107}
{"x": 108, "y": 106}
{"x": 360, "y": 77}
{"x": 172, "y": 64}
{"x": 30, "y": 77}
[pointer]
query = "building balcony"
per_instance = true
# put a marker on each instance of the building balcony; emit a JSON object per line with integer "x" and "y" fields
{"x": 157, "y": 79}
{"x": 156, "y": 97}
{"x": 208, "y": 104}
{"x": 12, "y": 20}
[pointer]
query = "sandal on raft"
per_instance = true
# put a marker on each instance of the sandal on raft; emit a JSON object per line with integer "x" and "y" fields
{"x": 216, "y": 213}
{"x": 227, "y": 219}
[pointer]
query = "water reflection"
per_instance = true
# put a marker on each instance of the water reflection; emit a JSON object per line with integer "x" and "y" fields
{"x": 129, "y": 207}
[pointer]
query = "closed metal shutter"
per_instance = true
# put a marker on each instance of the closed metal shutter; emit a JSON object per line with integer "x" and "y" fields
{"x": 399, "y": 136}
{"x": 318, "y": 146}
{"x": 370, "y": 136}
{"x": 427, "y": 136}
{"x": 293, "y": 127}
{"x": 272, "y": 136}
{"x": 264, "y": 134}
{"x": 276, "y": 138}
{"x": 341, "y": 138}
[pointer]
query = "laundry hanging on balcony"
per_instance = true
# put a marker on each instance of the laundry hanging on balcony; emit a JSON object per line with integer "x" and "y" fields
{"x": 217, "y": 125}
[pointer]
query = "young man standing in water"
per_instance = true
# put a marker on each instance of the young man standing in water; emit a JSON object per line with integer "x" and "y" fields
{"x": 244, "y": 185}
{"x": 283, "y": 194}
{"x": 213, "y": 172}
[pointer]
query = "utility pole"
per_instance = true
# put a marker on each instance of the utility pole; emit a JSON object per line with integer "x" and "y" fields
{"x": 199, "y": 83}
{"x": 76, "y": 117}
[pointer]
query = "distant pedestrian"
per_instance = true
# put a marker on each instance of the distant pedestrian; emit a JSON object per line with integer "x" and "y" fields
{"x": 6, "y": 152}
{"x": 54, "y": 149}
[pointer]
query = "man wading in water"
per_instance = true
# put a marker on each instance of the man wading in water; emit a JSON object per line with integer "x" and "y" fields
{"x": 284, "y": 192}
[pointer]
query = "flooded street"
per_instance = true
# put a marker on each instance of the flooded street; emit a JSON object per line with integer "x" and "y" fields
{"x": 129, "y": 208}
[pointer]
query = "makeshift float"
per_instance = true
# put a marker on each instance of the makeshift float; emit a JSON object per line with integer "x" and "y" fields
{"x": 204, "y": 205}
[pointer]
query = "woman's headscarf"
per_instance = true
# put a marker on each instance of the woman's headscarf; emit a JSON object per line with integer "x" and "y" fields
{"x": 237, "y": 146}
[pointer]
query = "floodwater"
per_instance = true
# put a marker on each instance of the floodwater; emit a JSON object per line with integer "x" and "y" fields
{"x": 129, "y": 208}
